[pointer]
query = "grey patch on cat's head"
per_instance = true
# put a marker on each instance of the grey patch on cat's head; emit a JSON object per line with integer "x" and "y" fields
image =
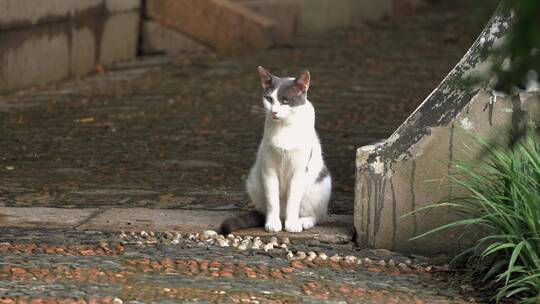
{"x": 290, "y": 91}
{"x": 324, "y": 173}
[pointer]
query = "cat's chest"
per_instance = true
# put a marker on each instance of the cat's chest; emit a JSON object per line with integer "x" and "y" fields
{"x": 287, "y": 139}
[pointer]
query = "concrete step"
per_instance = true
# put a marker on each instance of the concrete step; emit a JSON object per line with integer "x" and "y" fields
{"x": 227, "y": 26}
{"x": 285, "y": 13}
{"x": 338, "y": 230}
{"x": 157, "y": 38}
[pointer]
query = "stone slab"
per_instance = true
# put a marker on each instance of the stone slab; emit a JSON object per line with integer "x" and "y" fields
{"x": 285, "y": 13}
{"x": 338, "y": 230}
{"x": 115, "y": 6}
{"x": 227, "y": 26}
{"x": 157, "y": 38}
{"x": 43, "y": 217}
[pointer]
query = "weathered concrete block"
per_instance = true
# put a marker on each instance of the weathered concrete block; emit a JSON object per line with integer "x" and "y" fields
{"x": 285, "y": 13}
{"x": 161, "y": 39}
{"x": 33, "y": 56}
{"x": 226, "y": 26}
{"x": 82, "y": 51}
{"x": 397, "y": 176}
{"x": 119, "y": 40}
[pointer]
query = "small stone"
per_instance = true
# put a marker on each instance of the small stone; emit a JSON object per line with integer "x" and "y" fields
{"x": 381, "y": 263}
{"x": 323, "y": 256}
{"x": 223, "y": 243}
{"x": 250, "y": 238}
{"x": 208, "y": 234}
{"x": 403, "y": 266}
{"x": 391, "y": 263}
{"x": 123, "y": 235}
{"x": 286, "y": 241}
{"x": 152, "y": 234}
{"x": 429, "y": 268}
{"x": 167, "y": 236}
{"x": 268, "y": 247}
{"x": 367, "y": 261}
{"x": 242, "y": 247}
{"x": 257, "y": 242}
{"x": 335, "y": 258}
{"x": 235, "y": 243}
{"x": 300, "y": 255}
{"x": 297, "y": 265}
{"x": 290, "y": 255}
{"x": 176, "y": 238}
{"x": 144, "y": 234}
{"x": 117, "y": 301}
{"x": 192, "y": 237}
{"x": 350, "y": 259}
{"x": 287, "y": 269}
{"x": 311, "y": 255}
{"x": 408, "y": 262}
{"x": 230, "y": 237}
{"x": 283, "y": 246}
{"x": 273, "y": 241}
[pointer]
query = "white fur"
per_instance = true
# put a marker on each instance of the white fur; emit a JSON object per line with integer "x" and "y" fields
{"x": 278, "y": 183}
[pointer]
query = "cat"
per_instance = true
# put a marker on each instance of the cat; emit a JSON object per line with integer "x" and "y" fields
{"x": 289, "y": 184}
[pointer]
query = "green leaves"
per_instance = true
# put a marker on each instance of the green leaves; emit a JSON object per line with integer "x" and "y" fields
{"x": 503, "y": 198}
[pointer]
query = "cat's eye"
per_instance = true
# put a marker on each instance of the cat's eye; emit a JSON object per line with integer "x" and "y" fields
{"x": 285, "y": 101}
{"x": 268, "y": 98}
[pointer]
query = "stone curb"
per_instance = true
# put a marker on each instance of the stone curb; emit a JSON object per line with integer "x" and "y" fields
{"x": 337, "y": 231}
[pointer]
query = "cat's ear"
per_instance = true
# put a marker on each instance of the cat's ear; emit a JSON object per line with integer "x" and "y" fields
{"x": 302, "y": 82}
{"x": 266, "y": 77}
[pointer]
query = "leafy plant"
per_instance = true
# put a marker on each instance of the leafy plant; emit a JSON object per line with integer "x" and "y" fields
{"x": 502, "y": 197}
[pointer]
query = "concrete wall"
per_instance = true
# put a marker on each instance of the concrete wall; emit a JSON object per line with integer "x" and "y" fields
{"x": 43, "y": 41}
{"x": 408, "y": 171}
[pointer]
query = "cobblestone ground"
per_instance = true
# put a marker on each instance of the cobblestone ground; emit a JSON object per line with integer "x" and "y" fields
{"x": 182, "y": 135}
{"x": 60, "y": 266}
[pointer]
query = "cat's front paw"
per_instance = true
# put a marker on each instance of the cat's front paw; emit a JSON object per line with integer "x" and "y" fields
{"x": 273, "y": 225}
{"x": 294, "y": 226}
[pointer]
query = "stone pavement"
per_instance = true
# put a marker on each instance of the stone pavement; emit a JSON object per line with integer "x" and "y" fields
{"x": 66, "y": 266}
{"x": 131, "y": 155}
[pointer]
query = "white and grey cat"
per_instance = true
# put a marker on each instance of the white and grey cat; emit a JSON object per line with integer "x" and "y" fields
{"x": 289, "y": 183}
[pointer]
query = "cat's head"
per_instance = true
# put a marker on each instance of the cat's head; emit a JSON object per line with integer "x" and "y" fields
{"x": 284, "y": 97}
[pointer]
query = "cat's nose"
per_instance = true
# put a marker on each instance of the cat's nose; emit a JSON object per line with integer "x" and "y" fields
{"x": 274, "y": 113}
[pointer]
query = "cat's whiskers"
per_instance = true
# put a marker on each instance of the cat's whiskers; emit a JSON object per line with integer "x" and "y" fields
{"x": 258, "y": 110}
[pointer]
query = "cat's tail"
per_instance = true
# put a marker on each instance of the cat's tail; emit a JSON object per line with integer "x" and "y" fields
{"x": 251, "y": 219}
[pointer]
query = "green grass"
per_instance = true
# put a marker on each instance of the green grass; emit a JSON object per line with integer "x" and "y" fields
{"x": 503, "y": 199}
